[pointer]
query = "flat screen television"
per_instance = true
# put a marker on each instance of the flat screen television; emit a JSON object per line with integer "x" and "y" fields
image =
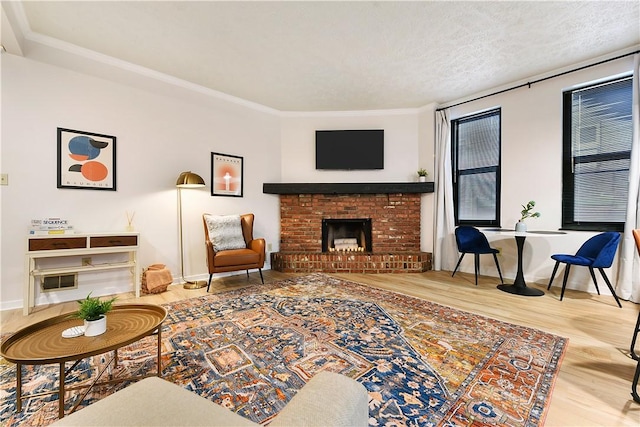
{"x": 350, "y": 149}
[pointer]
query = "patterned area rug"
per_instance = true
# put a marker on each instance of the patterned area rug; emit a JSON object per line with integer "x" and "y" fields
{"x": 250, "y": 350}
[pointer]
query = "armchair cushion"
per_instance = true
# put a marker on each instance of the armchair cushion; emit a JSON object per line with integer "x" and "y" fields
{"x": 225, "y": 232}
{"x": 235, "y": 257}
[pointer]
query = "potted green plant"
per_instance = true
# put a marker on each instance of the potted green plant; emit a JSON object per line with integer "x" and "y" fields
{"x": 422, "y": 174}
{"x": 526, "y": 212}
{"x": 92, "y": 311}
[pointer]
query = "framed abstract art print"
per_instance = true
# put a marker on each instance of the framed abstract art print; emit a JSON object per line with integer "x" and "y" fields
{"x": 226, "y": 175}
{"x": 86, "y": 160}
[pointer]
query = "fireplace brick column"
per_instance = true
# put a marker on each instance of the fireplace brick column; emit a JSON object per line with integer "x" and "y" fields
{"x": 395, "y": 219}
{"x": 395, "y": 232}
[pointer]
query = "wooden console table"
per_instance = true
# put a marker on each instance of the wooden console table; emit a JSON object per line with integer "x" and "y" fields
{"x": 78, "y": 245}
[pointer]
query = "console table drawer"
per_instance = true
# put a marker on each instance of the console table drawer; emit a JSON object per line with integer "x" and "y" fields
{"x": 109, "y": 241}
{"x": 57, "y": 243}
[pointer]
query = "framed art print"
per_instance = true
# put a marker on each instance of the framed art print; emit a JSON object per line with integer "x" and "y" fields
{"x": 86, "y": 160}
{"x": 226, "y": 175}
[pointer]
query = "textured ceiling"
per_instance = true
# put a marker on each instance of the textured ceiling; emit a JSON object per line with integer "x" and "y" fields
{"x": 334, "y": 56}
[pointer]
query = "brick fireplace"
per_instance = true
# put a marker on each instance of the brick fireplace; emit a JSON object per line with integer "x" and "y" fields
{"x": 394, "y": 229}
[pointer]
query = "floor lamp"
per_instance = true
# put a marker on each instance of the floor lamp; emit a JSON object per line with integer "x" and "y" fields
{"x": 187, "y": 180}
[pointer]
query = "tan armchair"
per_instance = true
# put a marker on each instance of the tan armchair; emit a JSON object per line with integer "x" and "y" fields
{"x": 244, "y": 258}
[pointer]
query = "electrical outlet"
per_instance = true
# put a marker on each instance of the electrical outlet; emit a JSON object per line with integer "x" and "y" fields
{"x": 86, "y": 261}
{"x": 4, "y": 179}
{"x": 269, "y": 247}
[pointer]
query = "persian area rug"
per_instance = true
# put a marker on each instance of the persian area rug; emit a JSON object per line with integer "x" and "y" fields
{"x": 250, "y": 350}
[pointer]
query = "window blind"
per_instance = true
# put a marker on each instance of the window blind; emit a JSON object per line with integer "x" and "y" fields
{"x": 477, "y": 160}
{"x": 601, "y": 132}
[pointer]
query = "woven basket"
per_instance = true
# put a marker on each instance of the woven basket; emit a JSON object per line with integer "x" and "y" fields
{"x": 155, "y": 279}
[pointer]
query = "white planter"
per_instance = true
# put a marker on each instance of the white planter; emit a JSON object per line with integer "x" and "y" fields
{"x": 422, "y": 179}
{"x": 521, "y": 227}
{"x": 95, "y": 327}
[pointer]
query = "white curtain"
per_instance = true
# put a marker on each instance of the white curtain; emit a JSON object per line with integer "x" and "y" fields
{"x": 628, "y": 285}
{"x": 445, "y": 252}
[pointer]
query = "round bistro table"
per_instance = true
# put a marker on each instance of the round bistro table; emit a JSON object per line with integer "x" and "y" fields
{"x": 519, "y": 286}
{"x": 42, "y": 344}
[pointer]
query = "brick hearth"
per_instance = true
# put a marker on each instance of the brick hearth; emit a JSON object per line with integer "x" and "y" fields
{"x": 395, "y": 233}
{"x": 304, "y": 262}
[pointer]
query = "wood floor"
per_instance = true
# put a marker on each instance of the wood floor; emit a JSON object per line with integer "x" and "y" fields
{"x": 594, "y": 385}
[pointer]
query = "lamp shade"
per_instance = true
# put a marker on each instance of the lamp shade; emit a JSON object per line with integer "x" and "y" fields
{"x": 189, "y": 180}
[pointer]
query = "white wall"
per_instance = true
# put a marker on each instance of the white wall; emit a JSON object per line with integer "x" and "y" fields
{"x": 426, "y": 159}
{"x": 532, "y": 170}
{"x": 158, "y": 137}
{"x": 401, "y": 142}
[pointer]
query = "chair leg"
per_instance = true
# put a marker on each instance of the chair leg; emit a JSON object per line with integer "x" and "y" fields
{"x": 593, "y": 277}
{"x": 261, "y": 278}
{"x": 476, "y": 264}
{"x": 634, "y": 384}
{"x": 247, "y": 274}
{"x": 564, "y": 280}
{"x": 555, "y": 269}
{"x": 209, "y": 284}
{"x": 606, "y": 279}
{"x": 495, "y": 258}
{"x": 458, "y": 264}
{"x": 636, "y": 331}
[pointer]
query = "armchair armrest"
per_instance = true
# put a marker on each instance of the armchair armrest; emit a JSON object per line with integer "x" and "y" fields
{"x": 211, "y": 252}
{"x": 258, "y": 245}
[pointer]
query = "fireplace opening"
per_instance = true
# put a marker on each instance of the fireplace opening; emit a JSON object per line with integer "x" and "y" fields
{"x": 346, "y": 235}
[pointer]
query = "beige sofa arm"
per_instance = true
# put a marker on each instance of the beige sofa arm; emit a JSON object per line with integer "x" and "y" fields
{"x": 328, "y": 399}
{"x": 153, "y": 402}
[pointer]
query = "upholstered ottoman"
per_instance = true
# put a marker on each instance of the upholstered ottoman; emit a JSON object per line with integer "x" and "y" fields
{"x": 328, "y": 399}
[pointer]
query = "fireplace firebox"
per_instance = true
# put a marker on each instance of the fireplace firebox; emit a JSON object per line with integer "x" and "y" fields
{"x": 347, "y": 235}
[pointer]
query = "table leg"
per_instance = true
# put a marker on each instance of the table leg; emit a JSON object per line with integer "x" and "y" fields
{"x": 29, "y": 286}
{"x": 160, "y": 351}
{"x": 519, "y": 286}
{"x": 61, "y": 391}
{"x": 18, "y": 387}
{"x": 109, "y": 368}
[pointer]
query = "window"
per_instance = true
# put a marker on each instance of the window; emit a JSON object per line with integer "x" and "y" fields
{"x": 597, "y": 132}
{"x": 476, "y": 168}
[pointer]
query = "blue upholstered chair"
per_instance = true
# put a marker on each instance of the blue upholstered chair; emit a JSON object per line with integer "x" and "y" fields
{"x": 470, "y": 240}
{"x": 597, "y": 252}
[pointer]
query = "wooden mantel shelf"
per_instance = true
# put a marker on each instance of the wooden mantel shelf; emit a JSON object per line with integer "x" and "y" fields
{"x": 348, "y": 188}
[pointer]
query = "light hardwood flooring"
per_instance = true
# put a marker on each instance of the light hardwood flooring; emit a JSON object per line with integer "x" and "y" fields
{"x": 594, "y": 384}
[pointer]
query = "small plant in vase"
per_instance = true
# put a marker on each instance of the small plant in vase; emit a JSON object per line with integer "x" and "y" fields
{"x": 92, "y": 311}
{"x": 526, "y": 212}
{"x": 422, "y": 174}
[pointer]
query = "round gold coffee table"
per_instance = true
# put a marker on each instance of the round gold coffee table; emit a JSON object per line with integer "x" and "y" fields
{"x": 42, "y": 344}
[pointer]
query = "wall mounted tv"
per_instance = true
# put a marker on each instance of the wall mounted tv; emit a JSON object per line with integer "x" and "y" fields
{"x": 350, "y": 149}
